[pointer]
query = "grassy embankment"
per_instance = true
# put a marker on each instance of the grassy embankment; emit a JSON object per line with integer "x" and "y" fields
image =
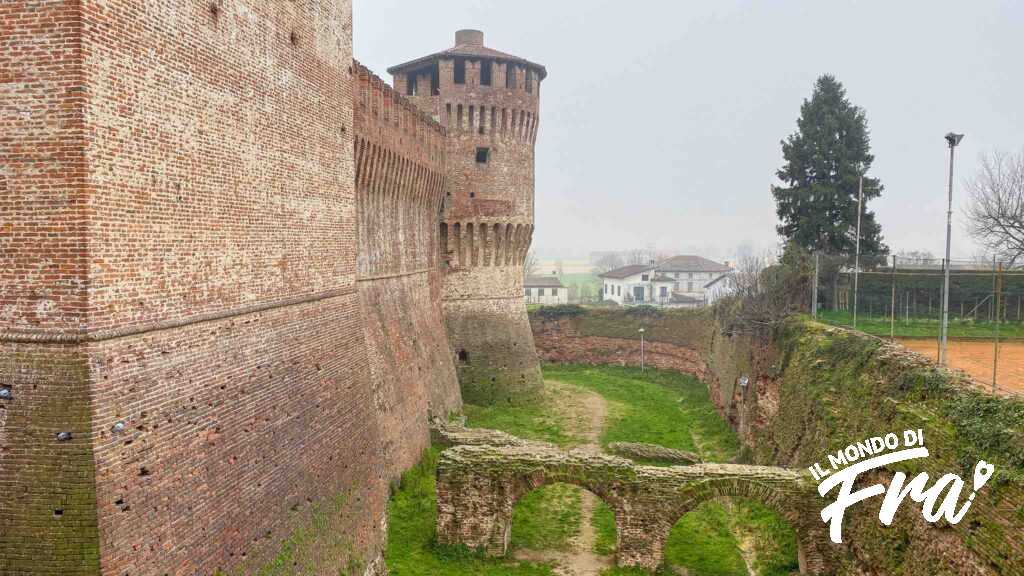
{"x": 657, "y": 407}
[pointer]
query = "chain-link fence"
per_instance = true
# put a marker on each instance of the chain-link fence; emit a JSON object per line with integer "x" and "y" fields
{"x": 902, "y": 298}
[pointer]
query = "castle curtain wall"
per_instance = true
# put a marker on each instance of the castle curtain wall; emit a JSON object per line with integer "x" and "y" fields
{"x": 179, "y": 288}
{"x": 400, "y": 186}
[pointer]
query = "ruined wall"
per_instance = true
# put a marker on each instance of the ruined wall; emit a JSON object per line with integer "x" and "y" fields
{"x": 812, "y": 390}
{"x": 488, "y": 213}
{"x": 399, "y": 154}
{"x": 179, "y": 290}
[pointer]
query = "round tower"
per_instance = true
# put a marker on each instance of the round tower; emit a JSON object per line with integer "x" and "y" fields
{"x": 489, "y": 101}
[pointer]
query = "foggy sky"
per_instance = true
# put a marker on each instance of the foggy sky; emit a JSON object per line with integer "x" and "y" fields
{"x": 661, "y": 121}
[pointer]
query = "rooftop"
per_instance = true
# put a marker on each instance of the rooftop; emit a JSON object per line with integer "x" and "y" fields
{"x": 542, "y": 282}
{"x": 627, "y": 271}
{"x": 687, "y": 263}
{"x": 470, "y": 44}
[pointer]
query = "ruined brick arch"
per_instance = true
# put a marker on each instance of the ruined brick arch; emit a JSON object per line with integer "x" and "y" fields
{"x": 810, "y": 535}
{"x": 478, "y": 486}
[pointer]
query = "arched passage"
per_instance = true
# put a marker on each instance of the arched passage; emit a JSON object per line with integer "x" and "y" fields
{"x": 731, "y": 536}
{"x": 792, "y": 507}
{"x": 478, "y": 487}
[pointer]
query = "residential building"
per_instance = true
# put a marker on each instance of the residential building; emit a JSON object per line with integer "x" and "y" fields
{"x": 636, "y": 284}
{"x": 680, "y": 281}
{"x": 545, "y": 290}
{"x": 696, "y": 276}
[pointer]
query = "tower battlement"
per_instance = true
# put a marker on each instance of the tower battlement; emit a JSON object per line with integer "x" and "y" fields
{"x": 489, "y": 102}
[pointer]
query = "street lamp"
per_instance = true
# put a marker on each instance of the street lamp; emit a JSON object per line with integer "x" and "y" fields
{"x": 856, "y": 261}
{"x": 641, "y": 349}
{"x": 952, "y": 139}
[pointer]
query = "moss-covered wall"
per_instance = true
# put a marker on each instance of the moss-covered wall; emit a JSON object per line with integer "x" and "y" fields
{"x": 812, "y": 389}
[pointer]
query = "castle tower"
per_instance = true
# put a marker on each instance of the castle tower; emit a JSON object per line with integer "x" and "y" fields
{"x": 489, "y": 101}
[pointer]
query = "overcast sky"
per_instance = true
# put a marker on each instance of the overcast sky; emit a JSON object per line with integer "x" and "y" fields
{"x": 661, "y": 121}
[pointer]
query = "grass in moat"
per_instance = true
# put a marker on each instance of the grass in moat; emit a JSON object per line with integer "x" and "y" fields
{"x": 658, "y": 407}
{"x": 922, "y": 327}
{"x": 674, "y": 410}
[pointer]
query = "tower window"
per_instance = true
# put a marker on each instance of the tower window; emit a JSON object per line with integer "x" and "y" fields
{"x": 485, "y": 72}
{"x": 483, "y": 155}
{"x": 460, "y": 70}
{"x": 510, "y": 76}
{"x": 410, "y": 87}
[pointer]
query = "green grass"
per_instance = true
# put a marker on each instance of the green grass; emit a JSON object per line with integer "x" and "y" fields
{"x": 654, "y": 406}
{"x": 535, "y": 421}
{"x": 547, "y": 518}
{"x": 603, "y": 522}
{"x": 674, "y": 410}
{"x": 922, "y": 327}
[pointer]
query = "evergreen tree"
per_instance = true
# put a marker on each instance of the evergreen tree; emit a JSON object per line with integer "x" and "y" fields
{"x": 817, "y": 205}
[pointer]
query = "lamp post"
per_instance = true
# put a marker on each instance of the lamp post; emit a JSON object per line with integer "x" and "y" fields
{"x": 952, "y": 139}
{"x": 856, "y": 261}
{"x": 641, "y": 349}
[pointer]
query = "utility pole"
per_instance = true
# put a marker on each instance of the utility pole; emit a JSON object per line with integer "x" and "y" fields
{"x": 856, "y": 261}
{"x": 952, "y": 139}
{"x": 814, "y": 288}
{"x": 641, "y": 349}
{"x": 892, "y": 303}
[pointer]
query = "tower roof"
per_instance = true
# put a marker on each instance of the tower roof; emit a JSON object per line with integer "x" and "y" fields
{"x": 470, "y": 44}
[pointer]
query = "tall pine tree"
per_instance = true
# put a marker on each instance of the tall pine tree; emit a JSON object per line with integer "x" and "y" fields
{"x": 817, "y": 205}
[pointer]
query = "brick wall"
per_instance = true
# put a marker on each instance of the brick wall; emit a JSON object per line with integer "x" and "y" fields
{"x": 488, "y": 217}
{"x": 400, "y": 186}
{"x": 179, "y": 289}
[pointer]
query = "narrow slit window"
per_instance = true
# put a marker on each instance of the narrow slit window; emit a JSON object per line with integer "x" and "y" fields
{"x": 485, "y": 72}
{"x": 483, "y": 155}
{"x": 510, "y": 76}
{"x": 460, "y": 70}
{"x": 410, "y": 85}
{"x": 435, "y": 80}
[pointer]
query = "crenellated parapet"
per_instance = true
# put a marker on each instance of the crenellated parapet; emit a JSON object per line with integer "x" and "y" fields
{"x": 400, "y": 187}
{"x": 400, "y": 180}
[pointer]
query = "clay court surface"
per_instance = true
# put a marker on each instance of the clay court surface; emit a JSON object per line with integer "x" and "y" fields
{"x": 975, "y": 358}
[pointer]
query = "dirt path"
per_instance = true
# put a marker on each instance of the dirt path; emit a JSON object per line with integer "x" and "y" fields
{"x": 586, "y": 413}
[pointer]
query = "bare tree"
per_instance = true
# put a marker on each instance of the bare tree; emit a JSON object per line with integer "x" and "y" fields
{"x": 531, "y": 266}
{"x": 995, "y": 214}
{"x": 765, "y": 294}
{"x": 609, "y": 261}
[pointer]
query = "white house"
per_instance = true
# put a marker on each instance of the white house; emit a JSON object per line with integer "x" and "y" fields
{"x": 697, "y": 277}
{"x": 636, "y": 284}
{"x": 545, "y": 290}
{"x": 680, "y": 281}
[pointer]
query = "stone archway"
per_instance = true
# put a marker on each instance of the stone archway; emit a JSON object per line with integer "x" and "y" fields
{"x": 478, "y": 486}
{"x": 799, "y": 508}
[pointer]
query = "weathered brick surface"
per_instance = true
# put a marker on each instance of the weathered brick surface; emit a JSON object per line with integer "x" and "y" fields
{"x": 179, "y": 256}
{"x": 399, "y": 154}
{"x": 478, "y": 486}
{"x": 559, "y": 341}
{"x": 488, "y": 215}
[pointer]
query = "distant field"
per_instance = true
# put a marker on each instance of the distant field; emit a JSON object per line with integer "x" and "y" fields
{"x": 922, "y": 327}
{"x": 586, "y": 284}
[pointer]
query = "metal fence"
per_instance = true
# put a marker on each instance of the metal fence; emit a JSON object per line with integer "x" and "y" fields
{"x": 902, "y": 299}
